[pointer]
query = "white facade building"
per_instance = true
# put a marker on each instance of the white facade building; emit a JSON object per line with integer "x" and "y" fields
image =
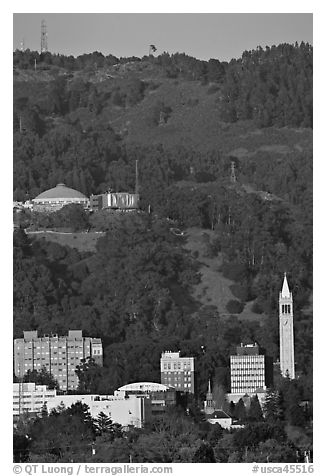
{"x": 247, "y": 370}
{"x": 29, "y": 397}
{"x": 127, "y": 410}
{"x": 132, "y": 410}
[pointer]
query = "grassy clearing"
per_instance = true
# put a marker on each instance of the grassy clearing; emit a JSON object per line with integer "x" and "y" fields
{"x": 81, "y": 241}
{"x": 214, "y": 288}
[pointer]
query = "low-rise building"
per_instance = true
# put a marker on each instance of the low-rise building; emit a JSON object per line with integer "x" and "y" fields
{"x": 132, "y": 410}
{"x": 161, "y": 396}
{"x": 31, "y": 398}
{"x": 127, "y": 410}
{"x": 56, "y": 198}
{"x": 114, "y": 201}
{"x": 220, "y": 417}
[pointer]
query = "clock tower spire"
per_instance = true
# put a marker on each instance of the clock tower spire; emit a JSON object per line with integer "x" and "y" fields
{"x": 286, "y": 331}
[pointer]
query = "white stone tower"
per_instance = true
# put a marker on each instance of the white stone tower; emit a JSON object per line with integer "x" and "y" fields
{"x": 286, "y": 331}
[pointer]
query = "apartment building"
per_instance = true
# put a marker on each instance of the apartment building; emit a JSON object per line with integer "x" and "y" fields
{"x": 58, "y": 355}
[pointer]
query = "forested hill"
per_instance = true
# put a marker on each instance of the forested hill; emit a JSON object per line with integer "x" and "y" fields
{"x": 85, "y": 121}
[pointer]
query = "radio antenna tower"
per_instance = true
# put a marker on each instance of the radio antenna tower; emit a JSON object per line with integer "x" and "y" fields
{"x": 233, "y": 177}
{"x": 44, "y": 37}
{"x": 22, "y": 45}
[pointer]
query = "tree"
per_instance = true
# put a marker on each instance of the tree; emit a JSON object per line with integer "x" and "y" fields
{"x": 90, "y": 376}
{"x": 272, "y": 407}
{"x": 42, "y": 377}
{"x": 255, "y": 412}
{"x": 105, "y": 426}
{"x": 152, "y": 48}
{"x": 64, "y": 434}
{"x": 72, "y": 216}
{"x": 21, "y": 446}
{"x": 204, "y": 454}
{"x": 240, "y": 412}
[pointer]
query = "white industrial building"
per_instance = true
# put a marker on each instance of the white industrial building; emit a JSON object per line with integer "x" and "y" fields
{"x": 130, "y": 410}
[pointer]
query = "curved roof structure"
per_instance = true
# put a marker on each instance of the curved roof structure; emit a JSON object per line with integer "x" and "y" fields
{"x": 60, "y": 191}
{"x": 145, "y": 387}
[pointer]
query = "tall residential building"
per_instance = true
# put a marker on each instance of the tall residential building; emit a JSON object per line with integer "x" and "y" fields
{"x": 178, "y": 372}
{"x": 286, "y": 331}
{"x": 248, "y": 370}
{"x": 59, "y": 355}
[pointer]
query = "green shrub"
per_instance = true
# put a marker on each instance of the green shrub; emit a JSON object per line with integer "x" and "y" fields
{"x": 234, "y": 307}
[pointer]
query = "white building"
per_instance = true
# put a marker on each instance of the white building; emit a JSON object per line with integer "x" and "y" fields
{"x": 220, "y": 417}
{"x": 247, "y": 370}
{"x": 131, "y": 410}
{"x": 56, "y": 198}
{"x": 127, "y": 410}
{"x": 29, "y": 397}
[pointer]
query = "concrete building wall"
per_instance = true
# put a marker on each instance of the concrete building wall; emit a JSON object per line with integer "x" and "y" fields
{"x": 178, "y": 372}
{"x": 58, "y": 355}
{"x": 133, "y": 410}
{"x": 29, "y": 397}
{"x": 247, "y": 373}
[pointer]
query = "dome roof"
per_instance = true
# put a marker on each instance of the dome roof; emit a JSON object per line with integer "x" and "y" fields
{"x": 60, "y": 191}
{"x": 145, "y": 387}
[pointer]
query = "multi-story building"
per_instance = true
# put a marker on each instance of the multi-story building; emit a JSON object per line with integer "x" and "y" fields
{"x": 31, "y": 398}
{"x": 248, "y": 370}
{"x": 58, "y": 355}
{"x": 178, "y": 372}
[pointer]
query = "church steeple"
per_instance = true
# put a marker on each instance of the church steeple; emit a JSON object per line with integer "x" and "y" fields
{"x": 209, "y": 403}
{"x": 286, "y": 331}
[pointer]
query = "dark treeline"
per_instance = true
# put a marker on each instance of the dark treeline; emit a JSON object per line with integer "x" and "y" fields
{"x": 271, "y": 86}
{"x": 175, "y": 65}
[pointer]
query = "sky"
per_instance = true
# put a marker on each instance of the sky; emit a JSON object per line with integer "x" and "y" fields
{"x": 203, "y": 35}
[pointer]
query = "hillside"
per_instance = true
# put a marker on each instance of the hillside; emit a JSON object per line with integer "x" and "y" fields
{"x": 85, "y": 121}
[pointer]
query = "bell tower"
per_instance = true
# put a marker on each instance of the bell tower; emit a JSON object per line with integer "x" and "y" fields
{"x": 286, "y": 331}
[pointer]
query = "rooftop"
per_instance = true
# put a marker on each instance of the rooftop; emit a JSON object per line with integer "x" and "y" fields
{"x": 60, "y": 191}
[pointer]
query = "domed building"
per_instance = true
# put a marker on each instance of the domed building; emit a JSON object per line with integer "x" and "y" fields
{"x": 57, "y": 197}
